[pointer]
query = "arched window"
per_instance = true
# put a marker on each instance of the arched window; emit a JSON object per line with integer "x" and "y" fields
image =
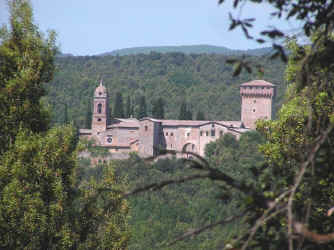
{"x": 99, "y": 108}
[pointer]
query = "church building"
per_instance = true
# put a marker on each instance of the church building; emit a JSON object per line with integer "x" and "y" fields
{"x": 147, "y": 135}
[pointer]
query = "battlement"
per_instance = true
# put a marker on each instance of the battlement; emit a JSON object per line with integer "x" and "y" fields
{"x": 257, "y": 88}
{"x": 257, "y": 91}
{"x": 256, "y": 98}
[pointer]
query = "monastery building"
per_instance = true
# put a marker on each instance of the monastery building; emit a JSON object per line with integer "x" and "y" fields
{"x": 147, "y": 135}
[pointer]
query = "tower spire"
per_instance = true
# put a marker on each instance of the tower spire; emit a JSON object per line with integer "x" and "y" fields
{"x": 101, "y": 81}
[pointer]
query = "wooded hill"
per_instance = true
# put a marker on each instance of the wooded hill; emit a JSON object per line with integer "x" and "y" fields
{"x": 190, "y": 49}
{"x": 204, "y": 81}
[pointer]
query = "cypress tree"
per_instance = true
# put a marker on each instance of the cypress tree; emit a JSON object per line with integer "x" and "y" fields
{"x": 189, "y": 115}
{"x": 128, "y": 110}
{"x": 158, "y": 109}
{"x": 200, "y": 116}
{"x": 185, "y": 112}
{"x": 142, "y": 107}
{"x": 118, "y": 107}
{"x": 88, "y": 120}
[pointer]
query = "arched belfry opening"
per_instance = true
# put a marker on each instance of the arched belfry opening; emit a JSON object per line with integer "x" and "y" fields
{"x": 100, "y": 119}
{"x": 99, "y": 108}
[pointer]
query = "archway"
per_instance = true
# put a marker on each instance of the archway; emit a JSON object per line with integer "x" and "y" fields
{"x": 188, "y": 149}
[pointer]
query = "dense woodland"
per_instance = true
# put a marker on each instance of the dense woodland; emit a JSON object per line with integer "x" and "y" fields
{"x": 204, "y": 81}
{"x": 158, "y": 218}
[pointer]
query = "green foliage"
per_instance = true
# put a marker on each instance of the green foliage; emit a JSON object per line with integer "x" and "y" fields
{"x": 43, "y": 205}
{"x": 26, "y": 62}
{"x": 142, "y": 112}
{"x": 155, "y": 52}
{"x": 183, "y": 111}
{"x": 200, "y": 116}
{"x": 158, "y": 108}
{"x": 118, "y": 107}
{"x": 88, "y": 120}
{"x": 214, "y": 90}
{"x": 157, "y": 218}
{"x": 129, "y": 108}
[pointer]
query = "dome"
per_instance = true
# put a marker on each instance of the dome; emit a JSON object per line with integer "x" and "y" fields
{"x": 100, "y": 91}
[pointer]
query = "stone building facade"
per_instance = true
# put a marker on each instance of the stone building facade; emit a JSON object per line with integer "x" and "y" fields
{"x": 147, "y": 135}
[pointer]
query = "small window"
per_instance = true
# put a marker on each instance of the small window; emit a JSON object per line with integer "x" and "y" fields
{"x": 166, "y": 133}
{"x": 213, "y": 132}
{"x": 146, "y": 128}
{"x": 221, "y": 132}
{"x": 253, "y": 110}
{"x": 109, "y": 140}
{"x": 100, "y": 93}
{"x": 254, "y": 101}
{"x": 99, "y": 119}
{"x": 201, "y": 133}
{"x": 212, "y": 125}
{"x": 192, "y": 147}
{"x": 207, "y": 133}
{"x": 171, "y": 134}
{"x": 171, "y": 146}
{"x": 188, "y": 134}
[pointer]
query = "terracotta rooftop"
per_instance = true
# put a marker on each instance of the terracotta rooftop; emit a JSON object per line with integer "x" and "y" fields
{"x": 260, "y": 83}
{"x": 134, "y": 123}
{"x": 197, "y": 123}
{"x": 127, "y": 124}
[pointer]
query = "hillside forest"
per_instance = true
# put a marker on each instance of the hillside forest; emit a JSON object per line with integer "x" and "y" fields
{"x": 203, "y": 81}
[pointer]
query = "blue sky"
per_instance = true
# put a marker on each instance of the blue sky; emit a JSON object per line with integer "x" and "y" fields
{"x": 87, "y": 27}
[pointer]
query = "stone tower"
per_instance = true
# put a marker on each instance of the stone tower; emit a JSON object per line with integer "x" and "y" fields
{"x": 256, "y": 101}
{"x": 100, "y": 118}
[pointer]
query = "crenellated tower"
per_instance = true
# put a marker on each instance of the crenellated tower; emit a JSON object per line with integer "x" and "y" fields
{"x": 256, "y": 101}
{"x": 101, "y": 113}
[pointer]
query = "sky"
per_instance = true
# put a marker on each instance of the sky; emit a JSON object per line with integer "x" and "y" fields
{"x": 87, "y": 27}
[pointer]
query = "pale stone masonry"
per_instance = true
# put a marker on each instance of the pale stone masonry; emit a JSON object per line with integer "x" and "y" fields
{"x": 147, "y": 135}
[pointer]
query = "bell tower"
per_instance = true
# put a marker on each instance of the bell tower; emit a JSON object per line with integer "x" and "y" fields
{"x": 256, "y": 101}
{"x": 100, "y": 118}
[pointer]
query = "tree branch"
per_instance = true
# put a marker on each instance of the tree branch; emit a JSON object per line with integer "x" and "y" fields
{"x": 314, "y": 150}
{"x": 207, "y": 227}
{"x": 157, "y": 186}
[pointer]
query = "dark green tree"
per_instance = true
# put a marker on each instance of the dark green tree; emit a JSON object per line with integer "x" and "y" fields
{"x": 42, "y": 204}
{"x": 200, "y": 116}
{"x": 183, "y": 111}
{"x": 88, "y": 118}
{"x": 118, "y": 110}
{"x": 66, "y": 121}
{"x": 158, "y": 108}
{"x": 142, "y": 112}
{"x": 129, "y": 109}
{"x": 26, "y": 62}
{"x": 189, "y": 114}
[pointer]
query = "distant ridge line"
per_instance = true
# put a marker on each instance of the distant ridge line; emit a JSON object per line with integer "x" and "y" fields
{"x": 188, "y": 49}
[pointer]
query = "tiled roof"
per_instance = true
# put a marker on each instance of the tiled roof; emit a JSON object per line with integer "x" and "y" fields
{"x": 198, "y": 123}
{"x": 125, "y": 123}
{"x": 260, "y": 83}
